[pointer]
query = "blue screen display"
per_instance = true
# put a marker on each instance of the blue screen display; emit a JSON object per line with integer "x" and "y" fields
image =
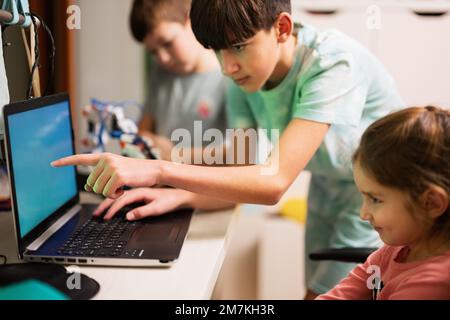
{"x": 37, "y": 138}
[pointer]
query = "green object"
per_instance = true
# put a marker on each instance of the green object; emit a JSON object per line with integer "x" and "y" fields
{"x": 31, "y": 290}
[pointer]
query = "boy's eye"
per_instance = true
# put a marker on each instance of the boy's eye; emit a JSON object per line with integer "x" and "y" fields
{"x": 371, "y": 199}
{"x": 167, "y": 44}
{"x": 239, "y": 48}
{"x": 375, "y": 200}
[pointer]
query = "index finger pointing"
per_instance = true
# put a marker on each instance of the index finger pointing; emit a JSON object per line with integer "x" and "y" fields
{"x": 81, "y": 159}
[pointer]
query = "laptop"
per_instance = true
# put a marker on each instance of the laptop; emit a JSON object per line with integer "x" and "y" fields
{"x": 52, "y": 226}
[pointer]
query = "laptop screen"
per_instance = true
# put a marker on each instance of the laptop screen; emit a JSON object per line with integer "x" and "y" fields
{"x": 38, "y": 137}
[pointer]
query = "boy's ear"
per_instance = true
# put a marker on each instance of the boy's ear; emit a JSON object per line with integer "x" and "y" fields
{"x": 187, "y": 21}
{"x": 284, "y": 26}
{"x": 435, "y": 201}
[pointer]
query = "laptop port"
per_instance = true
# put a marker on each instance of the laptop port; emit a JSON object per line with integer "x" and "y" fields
{"x": 59, "y": 259}
{"x": 71, "y": 260}
{"x": 82, "y": 260}
{"x": 165, "y": 261}
{"x": 46, "y": 259}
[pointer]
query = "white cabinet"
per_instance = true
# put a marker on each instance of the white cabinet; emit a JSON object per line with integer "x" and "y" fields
{"x": 414, "y": 48}
{"x": 350, "y": 20}
{"x": 281, "y": 261}
{"x": 265, "y": 259}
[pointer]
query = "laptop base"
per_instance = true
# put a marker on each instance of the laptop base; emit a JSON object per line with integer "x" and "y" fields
{"x": 151, "y": 242}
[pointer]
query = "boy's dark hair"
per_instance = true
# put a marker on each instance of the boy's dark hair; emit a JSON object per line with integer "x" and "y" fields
{"x": 410, "y": 151}
{"x": 147, "y": 14}
{"x": 219, "y": 24}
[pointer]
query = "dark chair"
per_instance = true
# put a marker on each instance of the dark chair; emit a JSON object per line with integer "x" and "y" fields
{"x": 355, "y": 255}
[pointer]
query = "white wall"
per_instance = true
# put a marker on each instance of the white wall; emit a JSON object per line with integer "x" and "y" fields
{"x": 109, "y": 63}
{"x": 4, "y": 94}
{"x": 414, "y": 48}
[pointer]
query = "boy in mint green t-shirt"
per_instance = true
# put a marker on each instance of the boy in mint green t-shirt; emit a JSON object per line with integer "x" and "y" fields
{"x": 332, "y": 80}
{"x": 320, "y": 89}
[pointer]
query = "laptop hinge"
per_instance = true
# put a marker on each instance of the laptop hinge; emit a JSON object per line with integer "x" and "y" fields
{"x": 54, "y": 228}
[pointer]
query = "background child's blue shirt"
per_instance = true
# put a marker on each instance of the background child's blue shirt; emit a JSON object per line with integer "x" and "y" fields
{"x": 334, "y": 80}
{"x": 177, "y": 101}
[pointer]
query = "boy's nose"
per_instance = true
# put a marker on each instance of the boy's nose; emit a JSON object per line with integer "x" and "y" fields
{"x": 364, "y": 213}
{"x": 163, "y": 57}
{"x": 229, "y": 64}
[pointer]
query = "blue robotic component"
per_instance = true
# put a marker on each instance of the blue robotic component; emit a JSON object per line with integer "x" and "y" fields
{"x": 107, "y": 121}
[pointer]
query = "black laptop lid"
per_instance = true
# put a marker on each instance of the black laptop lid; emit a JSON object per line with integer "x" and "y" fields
{"x": 38, "y": 132}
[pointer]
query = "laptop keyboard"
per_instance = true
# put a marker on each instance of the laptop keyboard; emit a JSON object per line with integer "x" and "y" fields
{"x": 99, "y": 238}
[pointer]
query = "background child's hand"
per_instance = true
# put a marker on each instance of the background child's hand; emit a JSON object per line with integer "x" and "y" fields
{"x": 163, "y": 144}
{"x": 158, "y": 202}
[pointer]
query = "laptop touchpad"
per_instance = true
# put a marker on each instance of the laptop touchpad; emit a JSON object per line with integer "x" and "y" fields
{"x": 154, "y": 233}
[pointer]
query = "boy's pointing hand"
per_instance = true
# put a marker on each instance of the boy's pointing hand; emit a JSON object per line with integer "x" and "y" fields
{"x": 113, "y": 172}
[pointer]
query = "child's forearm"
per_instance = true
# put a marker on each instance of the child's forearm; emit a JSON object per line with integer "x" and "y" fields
{"x": 228, "y": 152}
{"x": 195, "y": 156}
{"x": 236, "y": 185}
{"x": 261, "y": 184}
{"x": 258, "y": 184}
{"x": 205, "y": 203}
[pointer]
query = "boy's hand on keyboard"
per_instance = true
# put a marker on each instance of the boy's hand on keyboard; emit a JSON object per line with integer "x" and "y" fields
{"x": 157, "y": 202}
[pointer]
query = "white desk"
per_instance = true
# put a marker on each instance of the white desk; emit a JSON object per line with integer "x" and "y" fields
{"x": 192, "y": 277}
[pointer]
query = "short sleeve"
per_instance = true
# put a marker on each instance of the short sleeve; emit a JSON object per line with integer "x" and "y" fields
{"x": 427, "y": 280}
{"x": 423, "y": 287}
{"x": 333, "y": 92}
{"x": 239, "y": 113}
{"x": 355, "y": 286}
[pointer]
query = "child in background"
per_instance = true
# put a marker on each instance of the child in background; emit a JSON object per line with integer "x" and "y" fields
{"x": 402, "y": 169}
{"x": 319, "y": 89}
{"x": 185, "y": 81}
